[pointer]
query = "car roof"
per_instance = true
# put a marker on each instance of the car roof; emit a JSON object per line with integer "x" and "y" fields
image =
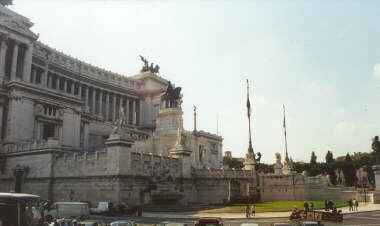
{"x": 249, "y": 224}
{"x": 74, "y": 203}
{"x": 17, "y": 195}
{"x": 210, "y": 218}
{"x": 122, "y": 221}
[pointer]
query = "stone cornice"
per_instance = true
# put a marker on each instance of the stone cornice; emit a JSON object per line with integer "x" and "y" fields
{"x": 72, "y": 64}
{"x": 16, "y": 23}
{"x": 149, "y": 75}
{"x": 202, "y": 133}
{"x": 45, "y": 92}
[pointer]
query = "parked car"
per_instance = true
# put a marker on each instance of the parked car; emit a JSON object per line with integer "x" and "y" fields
{"x": 171, "y": 223}
{"x": 281, "y": 224}
{"x": 92, "y": 223}
{"x": 249, "y": 224}
{"x": 123, "y": 223}
{"x": 78, "y": 210}
{"x": 209, "y": 221}
{"x": 103, "y": 208}
{"x": 310, "y": 223}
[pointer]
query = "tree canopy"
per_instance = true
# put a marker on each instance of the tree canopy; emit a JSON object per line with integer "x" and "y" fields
{"x": 329, "y": 157}
{"x": 313, "y": 158}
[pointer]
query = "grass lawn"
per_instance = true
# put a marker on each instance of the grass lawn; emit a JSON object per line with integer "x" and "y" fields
{"x": 285, "y": 205}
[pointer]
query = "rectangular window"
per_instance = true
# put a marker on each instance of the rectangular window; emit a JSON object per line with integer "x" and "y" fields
{"x": 49, "y": 131}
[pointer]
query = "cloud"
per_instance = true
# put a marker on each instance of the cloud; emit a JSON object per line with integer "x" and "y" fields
{"x": 344, "y": 128}
{"x": 376, "y": 71}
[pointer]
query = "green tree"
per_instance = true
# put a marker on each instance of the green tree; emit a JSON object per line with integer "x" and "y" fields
{"x": 349, "y": 171}
{"x": 233, "y": 163}
{"x": 313, "y": 158}
{"x": 329, "y": 157}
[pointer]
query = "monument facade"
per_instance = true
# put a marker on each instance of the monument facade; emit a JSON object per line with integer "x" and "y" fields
{"x": 72, "y": 131}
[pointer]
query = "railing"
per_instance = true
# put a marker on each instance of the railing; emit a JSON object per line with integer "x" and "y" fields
{"x": 222, "y": 173}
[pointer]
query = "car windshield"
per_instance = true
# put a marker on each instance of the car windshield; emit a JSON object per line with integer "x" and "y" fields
{"x": 122, "y": 224}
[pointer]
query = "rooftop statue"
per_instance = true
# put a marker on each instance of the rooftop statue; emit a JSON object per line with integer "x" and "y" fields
{"x": 172, "y": 96}
{"x": 146, "y": 67}
{"x": 376, "y": 148}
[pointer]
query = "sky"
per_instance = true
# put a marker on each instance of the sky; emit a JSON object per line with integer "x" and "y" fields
{"x": 321, "y": 59}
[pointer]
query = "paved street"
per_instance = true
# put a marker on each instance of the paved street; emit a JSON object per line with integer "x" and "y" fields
{"x": 366, "y": 218}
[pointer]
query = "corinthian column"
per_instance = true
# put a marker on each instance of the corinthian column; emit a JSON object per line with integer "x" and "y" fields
{"x": 100, "y": 103}
{"x": 27, "y": 62}
{"x": 134, "y": 112}
{"x": 93, "y": 100}
{"x": 14, "y": 61}
{"x": 107, "y": 106}
{"x": 86, "y": 97}
{"x": 3, "y": 51}
{"x": 114, "y": 108}
{"x": 127, "y": 110}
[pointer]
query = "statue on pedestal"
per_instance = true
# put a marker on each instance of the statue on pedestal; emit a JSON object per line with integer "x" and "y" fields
{"x": 376, "y": 148}
{"x": 278, "y": 165}
{"x": 121, "y": 122}
{"x": 146, "y": 67}
{"x": 172, "y": 96}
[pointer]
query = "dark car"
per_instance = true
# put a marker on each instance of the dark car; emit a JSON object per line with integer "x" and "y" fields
{"x": 209, "y": 221}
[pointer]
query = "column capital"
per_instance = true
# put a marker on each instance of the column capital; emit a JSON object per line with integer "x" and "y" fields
{"x": 4, "y": 37}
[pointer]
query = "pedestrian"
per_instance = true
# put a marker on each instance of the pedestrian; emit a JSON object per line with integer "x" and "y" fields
{"x": 331, "y": 205}
{"x": 253, "y": 209}
{"x": 54, "y": 223}
{"x": 326, "y": 205}
{"x": 311, "y": 206}
{"x": 356, "y": 204}
{"x": 247, "y": 212}
{"x": 139, "y": 211}
{"x": 305, "y": 206}
{"x": 350, "y": 205}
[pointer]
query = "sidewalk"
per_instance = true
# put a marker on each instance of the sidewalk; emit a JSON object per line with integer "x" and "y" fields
{"x": 192, "y": 215}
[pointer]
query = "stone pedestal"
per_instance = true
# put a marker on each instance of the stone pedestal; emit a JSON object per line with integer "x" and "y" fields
{"x": 376, "y": 193}
{"x": 286, "y": 170}
{"x": 277, "y": 169}
{"x": 249, "y": 164}
{"x": 179, "y": 152}
{"x": 119, "y": 154}
{"x": 169, "y": 120}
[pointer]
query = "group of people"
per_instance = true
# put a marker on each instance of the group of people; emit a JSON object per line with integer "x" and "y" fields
{"x": 353, "y": 205}
{"x": 308, "y": 206}
{"x": 62, "y": 222}
{"x": 329, "y": 205}
{"x": 65, "y": 222}
{"x": 250, "y": 211}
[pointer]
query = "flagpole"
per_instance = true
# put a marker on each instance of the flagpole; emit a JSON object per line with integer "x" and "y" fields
{"x": 250, "y": 149}
{"x": 286, "y": 143}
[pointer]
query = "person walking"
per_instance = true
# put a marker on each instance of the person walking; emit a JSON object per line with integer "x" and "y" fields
{"x": 311, "y": 206}
{"x": 350, "y": 205}
{"x": 356, "y": 204}
{"x": 55, "y": 223}
{"x": 253, "y": 211}
{"x": 331, "y": 205}
{"x": 326, "y": 205}
{"x": 247, "y": 212}
{"x": 305, "y": 206}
